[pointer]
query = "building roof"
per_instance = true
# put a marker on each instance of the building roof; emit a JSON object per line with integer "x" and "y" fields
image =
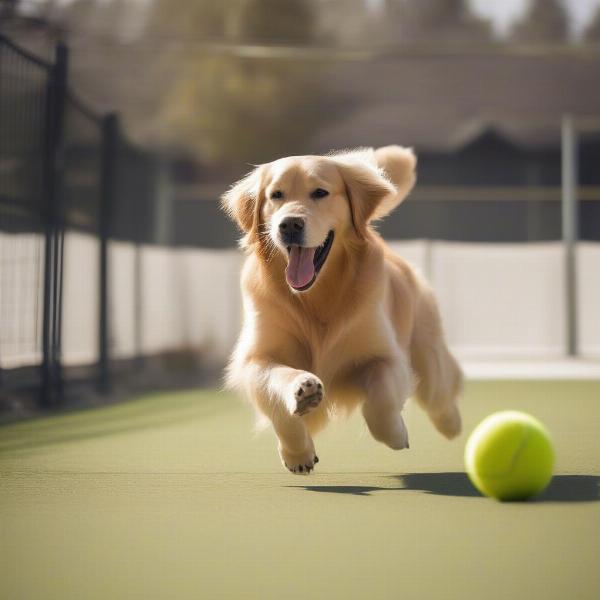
{"x": 441, "y": 102}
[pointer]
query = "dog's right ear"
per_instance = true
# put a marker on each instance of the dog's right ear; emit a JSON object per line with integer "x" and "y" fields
{"x": 242, "y": 201}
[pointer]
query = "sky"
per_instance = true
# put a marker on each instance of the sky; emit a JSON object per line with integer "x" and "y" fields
{"x": 505, "y": 13}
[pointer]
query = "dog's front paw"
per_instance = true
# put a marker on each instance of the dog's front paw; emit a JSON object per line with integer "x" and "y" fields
{"x": 308, "y": 393}
{"x": 301, "y": 463}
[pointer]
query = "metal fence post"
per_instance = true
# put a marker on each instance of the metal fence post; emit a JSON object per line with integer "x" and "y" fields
{"x": 570, "y": 228}
{"x": 53, "y": 176}
{"x": 110, "y": 140}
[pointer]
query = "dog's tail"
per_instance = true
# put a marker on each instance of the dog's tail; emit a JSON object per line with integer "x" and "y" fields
{"x": 399, "y": 164}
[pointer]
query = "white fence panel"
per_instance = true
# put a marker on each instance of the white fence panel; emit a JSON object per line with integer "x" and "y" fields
{"x": 416, "y": 252}
{"x": 21, "y": 299}
{"x": 501, "y": 300}
{"x": 211, "y": 300}
{"x": 588, "y": 296}
{"x": 162, "y": 322}
{"x": 122, "y": 310}
{"x": 80, "y": 299}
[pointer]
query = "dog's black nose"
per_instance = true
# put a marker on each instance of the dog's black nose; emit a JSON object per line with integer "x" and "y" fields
{"x": 291, "y": 231}
{"x": 291, "y": 224}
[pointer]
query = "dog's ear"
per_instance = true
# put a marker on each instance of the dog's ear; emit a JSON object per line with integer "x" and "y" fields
{"x": 242, "y": 202}
{"x": 399, "y": 165}
{"x": 366, "y": 188}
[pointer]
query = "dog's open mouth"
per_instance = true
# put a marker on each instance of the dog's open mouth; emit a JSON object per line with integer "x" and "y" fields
{"x": 304, "y": 263}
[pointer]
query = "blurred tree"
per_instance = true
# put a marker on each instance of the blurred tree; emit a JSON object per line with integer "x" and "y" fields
{"x": 108, "y": 66}
{"x": 405, "y": 21}
{"x": 173, "y": 70}
{"x": 546, "y": 21}
{"x": 438, "y": 20}
{"x": 276, "y": 21}
{"x": 229, "y": 107}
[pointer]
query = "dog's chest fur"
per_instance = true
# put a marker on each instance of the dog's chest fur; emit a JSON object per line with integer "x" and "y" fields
{"x": 336, "y": 351}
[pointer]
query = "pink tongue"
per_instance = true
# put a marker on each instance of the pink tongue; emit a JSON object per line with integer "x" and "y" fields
{"x": 300, "y": 270}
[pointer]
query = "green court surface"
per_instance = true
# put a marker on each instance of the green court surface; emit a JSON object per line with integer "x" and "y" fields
{"x": 174, "y": 497}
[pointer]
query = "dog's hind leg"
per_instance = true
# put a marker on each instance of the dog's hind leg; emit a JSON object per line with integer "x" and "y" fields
{"x": 439, "y": 377}
{"x": 387, "y": 387}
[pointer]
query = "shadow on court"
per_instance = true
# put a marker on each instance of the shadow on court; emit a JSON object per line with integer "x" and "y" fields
{"x": 100, "y": 422}
{"x": 563, "y": 488}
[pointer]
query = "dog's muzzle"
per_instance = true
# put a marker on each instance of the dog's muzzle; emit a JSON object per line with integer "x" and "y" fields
{"x": 304, "y": 263}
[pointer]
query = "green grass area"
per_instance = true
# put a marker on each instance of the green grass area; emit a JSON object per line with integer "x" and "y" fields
{"x": 174, "y": 496}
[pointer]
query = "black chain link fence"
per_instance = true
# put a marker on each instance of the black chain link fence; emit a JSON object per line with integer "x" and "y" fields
{"x": 64, "y": 171}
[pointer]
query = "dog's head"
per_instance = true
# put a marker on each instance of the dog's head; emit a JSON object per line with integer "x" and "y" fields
{"x": 306, "y": 206}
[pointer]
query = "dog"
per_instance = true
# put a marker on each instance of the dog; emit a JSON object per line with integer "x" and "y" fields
{"x": 333, "y": 319}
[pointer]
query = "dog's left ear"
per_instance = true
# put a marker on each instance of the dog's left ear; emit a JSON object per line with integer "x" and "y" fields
{"x": 366, "y": 188}
{"x": 242, "y": 202}
{"x": 399, "y": 165}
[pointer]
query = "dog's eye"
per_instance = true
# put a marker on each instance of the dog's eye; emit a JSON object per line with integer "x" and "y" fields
{"x": 319, "y": 193}
{"x": 276, "y": 195}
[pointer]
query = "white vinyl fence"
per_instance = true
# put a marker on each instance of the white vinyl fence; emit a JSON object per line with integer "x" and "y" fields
{"x": 80, "y": 299}
{"x": 497, "y": 300}
{"x": 21, "y": 299}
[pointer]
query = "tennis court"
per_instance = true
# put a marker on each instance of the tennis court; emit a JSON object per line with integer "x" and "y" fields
{"x": 173, "y": 496}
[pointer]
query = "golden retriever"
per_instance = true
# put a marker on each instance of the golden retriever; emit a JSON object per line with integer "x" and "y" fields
{"x": 333, "y": 319}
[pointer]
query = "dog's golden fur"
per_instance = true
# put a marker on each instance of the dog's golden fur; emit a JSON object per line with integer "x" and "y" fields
{"x": 367, "y": 332}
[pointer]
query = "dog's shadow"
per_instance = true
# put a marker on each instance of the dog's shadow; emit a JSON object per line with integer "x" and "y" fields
{"x": 562, "y": 488}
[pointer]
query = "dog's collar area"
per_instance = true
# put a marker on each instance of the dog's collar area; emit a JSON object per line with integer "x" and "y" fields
{"x": 319, "y": 259}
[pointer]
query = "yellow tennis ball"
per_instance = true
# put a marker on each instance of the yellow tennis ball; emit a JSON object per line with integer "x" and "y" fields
{"x": 510, "y": 456}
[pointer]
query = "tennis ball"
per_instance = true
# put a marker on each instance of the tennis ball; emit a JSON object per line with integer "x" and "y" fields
{"x": 510, "y": 456}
